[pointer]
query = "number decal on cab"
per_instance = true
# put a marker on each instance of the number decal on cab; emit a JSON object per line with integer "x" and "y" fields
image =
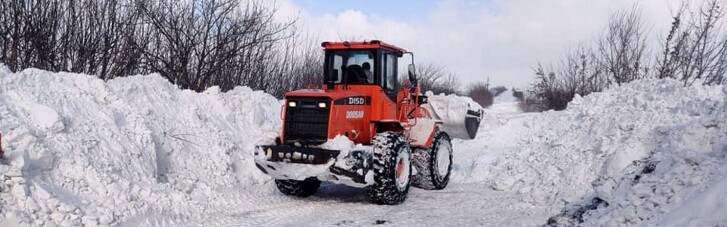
{"x": 354, "y": 114}
{"x": 354, "y": 101}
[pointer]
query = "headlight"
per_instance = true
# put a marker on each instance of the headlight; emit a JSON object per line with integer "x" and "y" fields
{"x": 292, "y": 104}
{"x": 322, "y": 105}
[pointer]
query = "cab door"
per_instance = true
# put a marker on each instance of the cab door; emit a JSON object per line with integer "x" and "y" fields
{"x": 388, "y": 72}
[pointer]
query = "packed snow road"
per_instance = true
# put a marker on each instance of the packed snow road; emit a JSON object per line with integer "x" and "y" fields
{"x": 336, "y": 205}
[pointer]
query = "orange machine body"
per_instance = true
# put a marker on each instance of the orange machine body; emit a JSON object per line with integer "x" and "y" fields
{"x": 355, "y": 111}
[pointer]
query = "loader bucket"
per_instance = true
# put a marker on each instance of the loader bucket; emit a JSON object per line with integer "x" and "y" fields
{"x": 460, "y": 116}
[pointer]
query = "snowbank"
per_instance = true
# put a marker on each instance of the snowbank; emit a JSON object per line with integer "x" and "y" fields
{"x": 83, "y": 151}
{"x": 651, "y": 152}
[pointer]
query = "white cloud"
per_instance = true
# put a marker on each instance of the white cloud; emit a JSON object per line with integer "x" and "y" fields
{"x": 499, "y": 39}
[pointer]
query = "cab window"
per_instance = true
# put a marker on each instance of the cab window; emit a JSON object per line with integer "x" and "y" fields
{"x": 355, "y": 67}
{"x": 390, "y": 67}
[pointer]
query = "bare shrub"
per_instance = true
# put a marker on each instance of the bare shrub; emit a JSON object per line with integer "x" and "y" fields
{"x": 194, "y": 44}
{"x": 551, "y": 91}
{"x": 576, "y": 74}
{"x": 435, "y": 79}
{"x": 202, "y": 43}
{"x": 298, "y": 64}
{"x": 695, "y": 49}
{"x": 616, "y": 59}
{"x": 480, "y": 93}
{"x": 80, "y": 36}
{"x": 620, "y": 51}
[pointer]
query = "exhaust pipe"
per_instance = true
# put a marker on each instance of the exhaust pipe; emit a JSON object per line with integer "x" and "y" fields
{"x": 460, "y": 116}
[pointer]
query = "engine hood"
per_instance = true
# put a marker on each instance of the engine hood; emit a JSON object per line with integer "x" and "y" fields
{"x": 332, "y": 94}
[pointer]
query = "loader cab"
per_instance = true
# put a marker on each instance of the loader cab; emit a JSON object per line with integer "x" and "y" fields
{"x": 371, "y": 63}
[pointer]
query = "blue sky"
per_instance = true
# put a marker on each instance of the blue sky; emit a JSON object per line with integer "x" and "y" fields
{"x": 475, "y": 39}
{"x": 401, "y": 10}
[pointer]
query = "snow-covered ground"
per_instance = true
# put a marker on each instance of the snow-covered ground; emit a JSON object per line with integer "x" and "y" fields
{"x": 653, "y": 151}
{"x": 505, "y": 103}
{"x": 137, "y": 151}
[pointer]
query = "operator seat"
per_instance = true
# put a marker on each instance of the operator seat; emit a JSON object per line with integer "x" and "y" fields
{"x": 356, "y": 75}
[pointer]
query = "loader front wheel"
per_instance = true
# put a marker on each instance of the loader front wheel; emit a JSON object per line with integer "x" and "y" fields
{"x": 298, "y": 188}
{"x": 434, "y": 165}
{"x": 392, "y": 169}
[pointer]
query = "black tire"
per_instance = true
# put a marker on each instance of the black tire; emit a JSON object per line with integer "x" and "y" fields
{"x": 390, "y": 148}
{"x": 428, "y": 174}
{"x": 298, "y": 188}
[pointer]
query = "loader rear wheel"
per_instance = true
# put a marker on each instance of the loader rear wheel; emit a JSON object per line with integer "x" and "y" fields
{"x": 392, "y": 169}
{"x": 434, "y": 165}
{"x": 298, "y": 188}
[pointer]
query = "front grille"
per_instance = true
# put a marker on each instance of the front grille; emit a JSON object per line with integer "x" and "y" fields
{"x": 307, "y": 123}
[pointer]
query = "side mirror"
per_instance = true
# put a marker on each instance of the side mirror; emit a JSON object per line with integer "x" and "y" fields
{"x": 412, "y": 72}
{"x": 422, "y": 99}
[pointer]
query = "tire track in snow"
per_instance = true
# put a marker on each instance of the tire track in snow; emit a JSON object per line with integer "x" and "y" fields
{"x": 336, "y": 205}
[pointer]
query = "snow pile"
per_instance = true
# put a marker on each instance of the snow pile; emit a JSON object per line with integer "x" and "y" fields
{"x": 647, "y": 153}
{"x": 83, "y": 151}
